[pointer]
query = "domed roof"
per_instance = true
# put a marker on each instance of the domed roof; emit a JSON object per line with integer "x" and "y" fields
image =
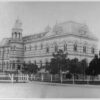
{"x": 18, "y": 24}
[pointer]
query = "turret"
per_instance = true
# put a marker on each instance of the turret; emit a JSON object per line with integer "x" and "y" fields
{"x": 17, "y": 30}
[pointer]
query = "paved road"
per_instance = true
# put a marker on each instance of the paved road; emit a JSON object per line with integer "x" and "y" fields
{"x": 45, "y": 90}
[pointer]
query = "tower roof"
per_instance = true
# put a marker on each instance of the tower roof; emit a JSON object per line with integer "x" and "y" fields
{"x": 18, "y": 24}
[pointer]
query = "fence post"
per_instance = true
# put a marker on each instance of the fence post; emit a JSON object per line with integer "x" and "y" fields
{"x": 12, "y": 78}
{"x": 51, "y": 77}
{"x": 34, "y": 77}
{"x": 61, "y": 78}
{"x": 27, "y": 77}
{"x": 41, "y": 77}
{"x": 73, "y": 79}
{"x": 88, "y": 79}
{"x": 31, "y": 77}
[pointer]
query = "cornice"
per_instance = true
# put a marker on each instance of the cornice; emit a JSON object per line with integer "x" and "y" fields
{"x": 60, "y": 36}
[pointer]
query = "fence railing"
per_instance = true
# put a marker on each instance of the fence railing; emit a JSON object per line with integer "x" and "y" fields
{"x": 59, "y": 79}
{"x": 14, "y": 78}
{"x": 46, "y": 78}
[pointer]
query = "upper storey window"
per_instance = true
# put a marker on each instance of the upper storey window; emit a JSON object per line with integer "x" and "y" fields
{"x": 30, "y": 47}
{"x": 84, "y": 49}
{"x": 0, "y": 52}
{"x": 25, "y": 48}
{"x": 75, "y": 47}
{"x": 13, "y": 47}
{"x": 8, "y": 50}
{"x": 65, "y": 47}
{"x": 41, "y": 46}
{"x": 56, "y": 48}
{"x": 35, "y": 47}
{"x": 92, "y": 50}
{"x": 47, "y": 49}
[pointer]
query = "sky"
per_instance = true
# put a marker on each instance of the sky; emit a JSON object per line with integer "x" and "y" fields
{"x": 35, "y": 16}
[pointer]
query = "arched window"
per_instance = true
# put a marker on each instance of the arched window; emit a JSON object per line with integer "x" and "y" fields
{"x": 7, "y": 64}
{"x": 19, "y": 35}
{"x": 41, "y": 46}
{"x": 84, "y": 49}
{"x": 15, "y": 34}
{"x": 92, "y": 50}
{"x": 13, "y": 47}
{"x": 65, "y": 47}
{"x": 30, "y": 47}
{"x": 35, "y": 62}
{"x": 25, "y": 48}
{"x": 13, "y": 65}
{"x": 0, "y": 51}
{"x": 56, "y": 47}
{"x": 29, "y": 62}
{"x": 8, "y": 50}
{"x": 35, "y": 47}
{"x": 75, "y": 47}
{"x": 3, "y": 65}
{"x": 46, "y": 61}
{"x": 40, "y": 63}
{"x": 47, "y": 49}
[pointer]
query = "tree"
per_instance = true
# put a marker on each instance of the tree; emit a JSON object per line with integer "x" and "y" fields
{"x": 98, "y": 68}
{"x": 74, "y": 67}
{"x": 29, "y": 68}
{"x": 54, "y": 69}
{"x": 93, "y": 69}
{"x": 58, "y": 62}
{"x": 83, "y": 66}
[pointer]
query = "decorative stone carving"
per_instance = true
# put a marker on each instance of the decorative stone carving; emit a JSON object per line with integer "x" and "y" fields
{"x": 57, "y": 30}
{"x": 83, "y": 30}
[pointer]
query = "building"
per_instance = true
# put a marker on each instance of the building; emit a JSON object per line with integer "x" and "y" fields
{"x": 73, "y": 38}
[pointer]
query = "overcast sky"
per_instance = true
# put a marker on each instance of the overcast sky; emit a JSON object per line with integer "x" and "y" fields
{"x": 35, "y": 16}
